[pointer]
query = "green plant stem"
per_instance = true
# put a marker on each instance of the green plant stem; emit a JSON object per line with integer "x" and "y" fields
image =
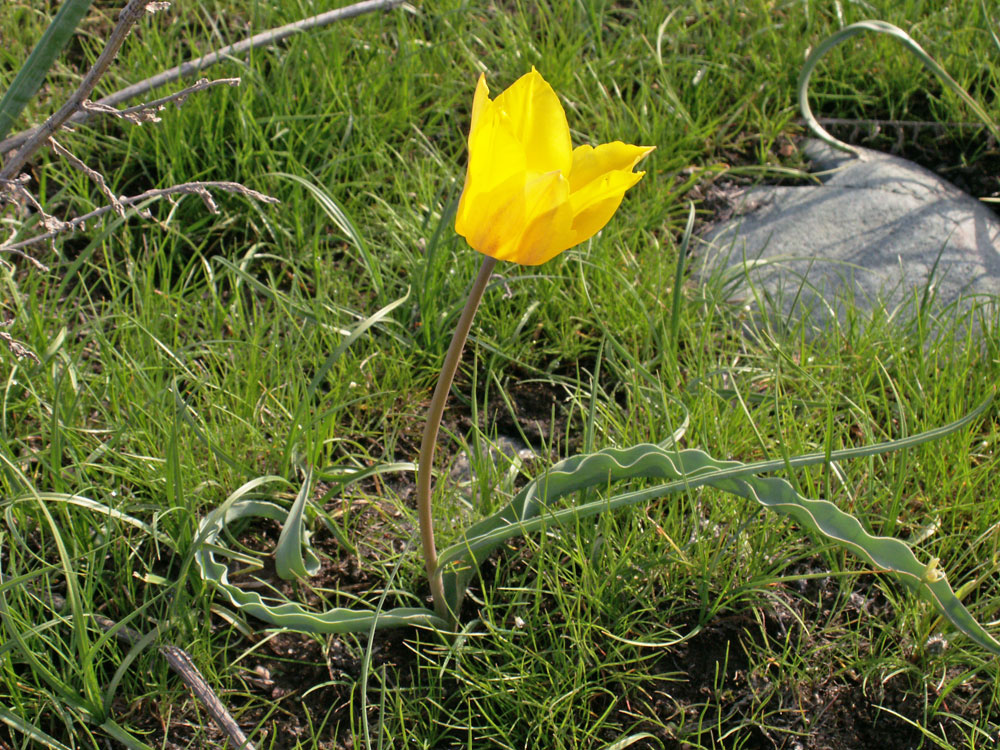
{"x": 425, "y": 468}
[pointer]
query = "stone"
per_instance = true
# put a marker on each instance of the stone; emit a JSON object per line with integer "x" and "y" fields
{"x": 507, "y": 454}
{"x": 878, "y": 233}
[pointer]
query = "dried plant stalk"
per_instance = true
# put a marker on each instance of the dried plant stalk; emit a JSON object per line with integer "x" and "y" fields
{"x": 192, "y": 67}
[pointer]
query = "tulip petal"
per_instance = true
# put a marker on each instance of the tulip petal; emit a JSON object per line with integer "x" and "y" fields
{"x": 598, "y": 183}
{"x": 538, "y": 121}
{"x": 594, "y": 207}
{"x": 528, "y": 195}
{"x": 495, "y": 153}
{"x": 548, "y": 222}
{"x": 494, "y": 180}
{"x": 590, "y": 163}
{"x": 481, "y": 99}
{"x": 486, "y": 219}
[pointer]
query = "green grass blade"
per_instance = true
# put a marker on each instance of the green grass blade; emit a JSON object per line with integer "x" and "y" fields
{"x": 359, "y": 330}
{"x": 879, "y": 27}
{"x": 14, "y": 632}
{"x": 339, "y": 217}
{"x": 124, "y": 737}
{"x": 29, "y": 78}
{"x": 30, "y": 731}
{"x": 628, "y": 741}
{"x": 344, "y": 476}
{"x": 185, "y": 414}
{"x": 282, "y": 300}
{"x": 675, "y": 307}
{"x": 77, "y": 613}
{"x": 991, "y": 25}
{"x": 338, "y": 478}
{"x": 99, "y": 508}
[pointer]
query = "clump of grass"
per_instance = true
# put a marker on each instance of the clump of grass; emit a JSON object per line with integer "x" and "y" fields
{"x": 191, "y": 348}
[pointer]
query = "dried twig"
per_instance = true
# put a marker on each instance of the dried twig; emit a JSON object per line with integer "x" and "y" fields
{"x": 147, "y": 112}
{"x": 31, "y": 259}
{"x": 130, "y": 14}
{"x": 192, "y": 67}
{"x": 14, "y": 191}
{"x": 16, "y": 348}
{"x": 12, "y": 184}
{"x": 96, "y": 177}
{"x": 201, "y": 189}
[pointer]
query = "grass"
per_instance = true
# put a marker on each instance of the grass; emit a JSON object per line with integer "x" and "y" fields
{"x": 182, "y": 358}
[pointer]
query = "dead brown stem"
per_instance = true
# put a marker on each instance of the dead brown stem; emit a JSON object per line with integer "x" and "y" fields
{"x": 130, "y": 14}
{"x": 192, "y": 67}
{"x": 96, "y": 177}
{"x": 141, "y": 113}
{"x": 201, "y": 189}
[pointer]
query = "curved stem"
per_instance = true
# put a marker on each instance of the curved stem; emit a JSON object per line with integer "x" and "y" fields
{"x": 429, "y": 442}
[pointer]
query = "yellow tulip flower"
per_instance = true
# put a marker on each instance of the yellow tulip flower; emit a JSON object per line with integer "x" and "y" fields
{"x": 529, "y": 195}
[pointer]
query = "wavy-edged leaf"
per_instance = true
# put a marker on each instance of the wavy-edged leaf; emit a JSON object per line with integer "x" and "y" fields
{"x": 291, "y": 614}
{"x": 534, "y": 508}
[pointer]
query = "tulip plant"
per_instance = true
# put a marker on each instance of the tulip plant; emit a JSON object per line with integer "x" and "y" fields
{"x": 528, "y": 196}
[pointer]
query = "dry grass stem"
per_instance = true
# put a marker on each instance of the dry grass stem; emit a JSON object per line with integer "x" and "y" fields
{"x": 39, "y": 266}
{"x": 19, "y": 350}
{"x": 14, "y": 191}
{"x": 12, "y": 183}
{"x": 201, "y": 189}
{"x": 142, "y": 113}
{"x": 130, "y": 14}
{"x": 96, "y": 177}
{"x": 178, "y": 659}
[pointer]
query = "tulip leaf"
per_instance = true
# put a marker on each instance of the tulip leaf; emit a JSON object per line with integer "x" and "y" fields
{"x": 879, "y": 27}
{"x": 29, "y": 78}
{"x": 289, "y": 559}
{"x": 287, "y": 614}
{"x": 533, "y": 509}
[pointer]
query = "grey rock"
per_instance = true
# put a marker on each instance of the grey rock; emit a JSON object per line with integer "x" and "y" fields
{"x": 506, "y": 454}
{"x": 878, "y": 233}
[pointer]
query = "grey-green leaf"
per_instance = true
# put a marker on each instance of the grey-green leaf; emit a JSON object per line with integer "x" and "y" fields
{"x": 293, "y": 557}
{"x": 290, "y": 614}
{"x": 534, "y": 508}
